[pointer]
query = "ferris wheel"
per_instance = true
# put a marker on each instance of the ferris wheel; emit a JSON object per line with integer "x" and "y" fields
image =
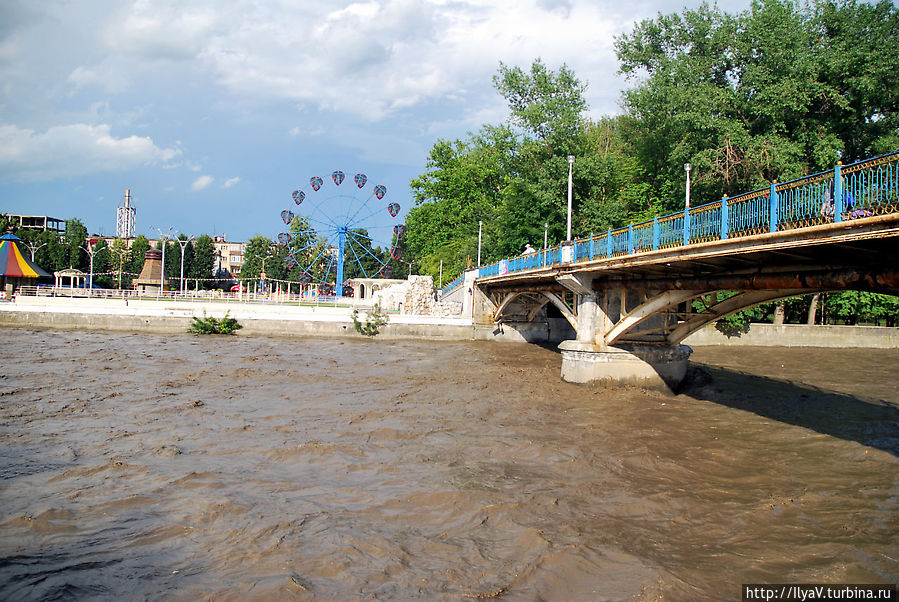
{"x": 336, "y": 231}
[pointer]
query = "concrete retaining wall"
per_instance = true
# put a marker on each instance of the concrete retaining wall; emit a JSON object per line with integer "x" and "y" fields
{"x": 328, "y": 321}
{"x": 801, "y": 335}
{"x": 167, "y": 317}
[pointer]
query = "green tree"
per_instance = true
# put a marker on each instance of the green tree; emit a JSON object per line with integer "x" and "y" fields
{"x": 139, "y": 249}
{"x": 203, "y": 263}
{"x": 547, "y": 105}
{"x": 775, "y": 92}
{"x": 102, "y": 262}
{"x": 464, "y": 184}
{"x": 120, "y": 260}
{"x": 259, "y": 250}
{"x": 69, "y": 252}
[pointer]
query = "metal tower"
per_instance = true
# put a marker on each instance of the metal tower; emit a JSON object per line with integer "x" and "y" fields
{"x": 124, "y": 218}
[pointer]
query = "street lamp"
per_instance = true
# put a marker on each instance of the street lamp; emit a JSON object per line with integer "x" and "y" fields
{"x": 545, "y": 240}
{"x": 163, "y": 237}
{"x": 121, "y": 254}
{"x": 183, "y": 243}
{"x": 480, "y": 225}
{"x": 91, "y": 249}
{"x": 34, "y": 248}
{"x": 687, "y": 168}
{"x": 570, "y": 168}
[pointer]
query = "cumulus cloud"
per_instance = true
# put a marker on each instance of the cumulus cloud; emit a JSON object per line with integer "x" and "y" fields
{"x": 72, "y": 150}
{"x": 163, "y": 29}
{"x": 231, "y": 182}
{"x": 368, "y": 59}
{"x": 202, "y": 182}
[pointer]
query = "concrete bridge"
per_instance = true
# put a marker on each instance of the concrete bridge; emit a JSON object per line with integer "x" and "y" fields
{"x": 630, "y": 296}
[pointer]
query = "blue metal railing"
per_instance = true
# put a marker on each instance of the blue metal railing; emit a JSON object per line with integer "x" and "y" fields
{"x": 862, "y": 189}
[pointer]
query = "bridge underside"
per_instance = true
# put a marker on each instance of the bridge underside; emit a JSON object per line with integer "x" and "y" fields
{"x": 648, "y": 303}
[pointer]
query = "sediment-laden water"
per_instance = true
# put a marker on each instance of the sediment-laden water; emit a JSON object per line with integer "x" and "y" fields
{"x": 181, "y": 467}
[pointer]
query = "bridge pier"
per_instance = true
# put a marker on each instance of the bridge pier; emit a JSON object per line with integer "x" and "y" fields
{"x": 644, "y": 365}
{"x": 588, "y": 359}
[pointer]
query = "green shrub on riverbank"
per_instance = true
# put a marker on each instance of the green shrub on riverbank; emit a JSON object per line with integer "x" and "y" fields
{"x": 211, "y": 325}
{"x": 373, "y": 322}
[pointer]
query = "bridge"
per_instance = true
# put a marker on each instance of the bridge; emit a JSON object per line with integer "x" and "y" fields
{"x": 631, "y": 295}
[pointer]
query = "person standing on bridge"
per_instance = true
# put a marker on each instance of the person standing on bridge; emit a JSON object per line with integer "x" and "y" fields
{"x": 528, "y": 249}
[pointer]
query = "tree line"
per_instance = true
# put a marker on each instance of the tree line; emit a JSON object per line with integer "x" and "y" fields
{"x": 775, "y": 92}
{"x": 116, "y": 263}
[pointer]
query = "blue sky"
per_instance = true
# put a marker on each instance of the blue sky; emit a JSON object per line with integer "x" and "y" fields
{"x": 213, "y": 112}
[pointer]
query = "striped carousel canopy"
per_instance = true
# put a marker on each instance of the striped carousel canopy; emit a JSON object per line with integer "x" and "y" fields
{"x": 13, "y": 263}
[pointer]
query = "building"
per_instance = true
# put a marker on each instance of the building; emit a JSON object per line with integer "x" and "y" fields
{"x": 229, "y": 255}
{"x": 40, "y": 222}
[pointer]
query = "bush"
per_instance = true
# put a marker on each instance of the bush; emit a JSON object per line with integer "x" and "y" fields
{"x": 373, "y": 321}
{"x": 210, "y": 325}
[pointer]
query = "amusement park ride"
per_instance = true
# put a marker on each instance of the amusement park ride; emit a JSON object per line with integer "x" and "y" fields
{"x": 332, "y": 234}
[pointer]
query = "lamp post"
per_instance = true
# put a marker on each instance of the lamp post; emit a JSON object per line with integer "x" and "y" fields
{"x": 480, "y": 225}
{"x": 34, "y": 248}
{"x": 545, "y": 240}
{"x": 183, "y": 244}
{"x": 120, "y": 253}
{"x": 91, "y": 250}
{"x": 687, "y": 168}
{"x": 163, "y": 237}
{"x": 570, "y": 169}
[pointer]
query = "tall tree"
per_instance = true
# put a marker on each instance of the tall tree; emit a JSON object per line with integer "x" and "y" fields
{"x": 139, "y": 249}
{"x": 203, "y": 264}
{"x": 770, "y": 94}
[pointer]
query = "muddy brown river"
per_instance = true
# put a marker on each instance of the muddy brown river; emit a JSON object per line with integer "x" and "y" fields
{"x": 237, "y": 468}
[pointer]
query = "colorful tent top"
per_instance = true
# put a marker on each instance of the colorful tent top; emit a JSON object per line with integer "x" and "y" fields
{"x": 13, "y": 263}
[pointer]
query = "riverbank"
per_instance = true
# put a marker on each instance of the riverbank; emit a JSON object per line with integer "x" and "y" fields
{"x": 276, "y": 319}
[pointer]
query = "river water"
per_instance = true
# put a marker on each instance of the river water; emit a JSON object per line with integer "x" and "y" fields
{"x": 181, "y": 467}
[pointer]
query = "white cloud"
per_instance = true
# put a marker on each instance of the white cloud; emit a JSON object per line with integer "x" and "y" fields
{"x": 202, "y": 182}
{"x": 72, "y": 150}
{"x": 163, "y": 29}
{"x": 366, "y": 59}
{"x": 231, "y": 182}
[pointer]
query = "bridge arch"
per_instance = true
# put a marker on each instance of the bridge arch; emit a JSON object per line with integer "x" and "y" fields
{"x": 535, "y": 302}
{"x": 692, "y": 322}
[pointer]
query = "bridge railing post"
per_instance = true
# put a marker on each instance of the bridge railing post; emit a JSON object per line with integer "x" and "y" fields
{"x": 687, "y": 226}
{"x": 773, "y": 209}
{"x": 838, "y": 192}
{"x": 630, "y": 239}
{"x": 609, "y": 243}
{"x": 724, "y": 218}
{"x": 656, "y": 233}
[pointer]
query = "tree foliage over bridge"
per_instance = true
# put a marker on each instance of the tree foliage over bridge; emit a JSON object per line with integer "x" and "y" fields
{"x": 772, "y": 93}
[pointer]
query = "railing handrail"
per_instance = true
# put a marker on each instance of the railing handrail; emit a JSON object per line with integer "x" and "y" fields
{"x": 767, "y": 217}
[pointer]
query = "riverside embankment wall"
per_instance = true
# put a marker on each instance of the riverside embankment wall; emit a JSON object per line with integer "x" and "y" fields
{"x": 168, "y": 317}
{"x": 262, "y": 319}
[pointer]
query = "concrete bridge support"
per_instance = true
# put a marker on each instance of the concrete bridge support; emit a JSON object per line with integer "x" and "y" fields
{"x": 589, "y": 358}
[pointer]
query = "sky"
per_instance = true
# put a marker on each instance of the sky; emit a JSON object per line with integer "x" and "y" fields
{"x": 212, "y": 113}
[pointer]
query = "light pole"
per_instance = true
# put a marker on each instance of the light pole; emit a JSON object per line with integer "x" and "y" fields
{"x": 687, "y": 168}
{"x": 545, "y": 240}
{"x": 163, "y": 237}
{"x": 480, "y": 225}
{"x": 91, "y": 250}
{"x": 183, "y": 243}
{"x": 570, "y": 169}
{"x": 34, "y": 248}
{"x": 120, "y": 253}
